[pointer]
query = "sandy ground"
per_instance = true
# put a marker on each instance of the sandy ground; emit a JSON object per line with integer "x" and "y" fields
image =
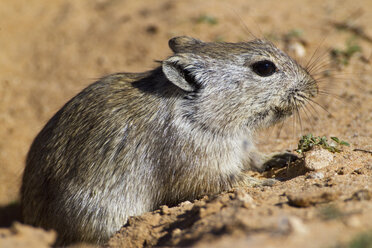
{"x": 50, "y": 50}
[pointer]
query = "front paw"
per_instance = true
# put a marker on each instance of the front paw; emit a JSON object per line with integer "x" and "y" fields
{"x": 257, "y": 161}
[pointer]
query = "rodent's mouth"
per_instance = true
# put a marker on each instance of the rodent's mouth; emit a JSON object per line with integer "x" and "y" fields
{"x": 270, "y": 117}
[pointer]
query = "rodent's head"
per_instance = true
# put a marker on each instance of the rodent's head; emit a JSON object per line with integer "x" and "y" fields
{"x": 229, "y": 86}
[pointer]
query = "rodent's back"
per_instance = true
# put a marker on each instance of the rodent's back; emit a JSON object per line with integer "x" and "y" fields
{"x": 113, "y": 151}
{"x": 74, "y": 171}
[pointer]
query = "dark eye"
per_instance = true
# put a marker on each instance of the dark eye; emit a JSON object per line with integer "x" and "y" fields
{"x": 264, "y": 68}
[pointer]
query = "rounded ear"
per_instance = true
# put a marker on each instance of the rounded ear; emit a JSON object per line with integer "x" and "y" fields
{"x": 183, "y": 43}
{"x": 175, "y": 70}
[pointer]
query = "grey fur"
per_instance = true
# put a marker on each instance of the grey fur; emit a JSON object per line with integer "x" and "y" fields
{"x": 131, "y": 142}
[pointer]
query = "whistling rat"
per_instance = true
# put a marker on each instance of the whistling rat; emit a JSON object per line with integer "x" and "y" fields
{"x": 134, "y": 141}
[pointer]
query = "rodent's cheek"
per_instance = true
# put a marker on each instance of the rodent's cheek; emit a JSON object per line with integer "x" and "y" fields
{"x": 263, "y": 81}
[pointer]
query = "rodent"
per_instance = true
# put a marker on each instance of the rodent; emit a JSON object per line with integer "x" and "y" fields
{"x": 131, "y": 142}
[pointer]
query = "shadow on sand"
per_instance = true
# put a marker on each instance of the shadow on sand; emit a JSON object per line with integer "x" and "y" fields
{"x": 9, "y": 214}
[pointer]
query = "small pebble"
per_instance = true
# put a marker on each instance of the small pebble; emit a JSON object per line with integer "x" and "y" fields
{"x": 362, "y": 195}
{"x": 318, "y": 158}
{"x": 315, "y": 175}
{"x": 176, "y": 232}
{"x": 269, "y": 182}
{"x": 164, "y": 209}
{"x": 292, "y": 224}
{"x": 353, "y": 221}
{"x": 298, "y": 49}
{"x": 185, "y": 203}
{"x": 305, "y": 200}
{"x": 245, "y": 198}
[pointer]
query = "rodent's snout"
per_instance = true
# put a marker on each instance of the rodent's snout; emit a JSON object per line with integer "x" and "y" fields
{"x": 301, "y": 92}
{"x": 301, "y": 89}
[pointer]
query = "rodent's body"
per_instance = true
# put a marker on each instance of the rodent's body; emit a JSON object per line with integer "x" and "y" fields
{"x": 132, "y": 142}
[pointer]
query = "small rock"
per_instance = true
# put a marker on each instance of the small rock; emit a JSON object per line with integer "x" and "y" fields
{"x": 362, "y": 195}
{"x": 358, "y": 171}
{"x": 223, "y": 198}
{"x": 176, "y": 232}
{"x": 308, "y": 199}
{"x": 243, "y": 196}
{"x": 298, "y": 49}
{"x": 246, "y": 200}
{"x": 341, "y": 171}
{"x": 318, "y": 158}
{"x": 292, "y": 224}
{"x": 210, "y": 208}
{"x": 269, "y": 182}
{"x": 164, "y": 209}
{"x": 315, "y": 175}
{"x": 185, "y": 203}
{"x": 353, "y": 221}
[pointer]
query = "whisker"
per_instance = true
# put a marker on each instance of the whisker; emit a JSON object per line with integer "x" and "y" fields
{"x": 321, "y": 106}
{"x": 243, "y": 24}
{"x": 298, "y": 115}
{"x": 310, "y": 62}
{"x": 326, "y": 93}
{"x": 312, "y": 107}
{"x": 320, "y": 66}
{"x": 332, "y": 73}
{"x": 338, "y": 98}
{"x": 280, "y": 129}
{"x": 293, "y": 126}
{"x": 322, "y": 80}
{"x": 305, "y": 110}
{"x": 316, "y": 66}
{"x": 310, "y": 66}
